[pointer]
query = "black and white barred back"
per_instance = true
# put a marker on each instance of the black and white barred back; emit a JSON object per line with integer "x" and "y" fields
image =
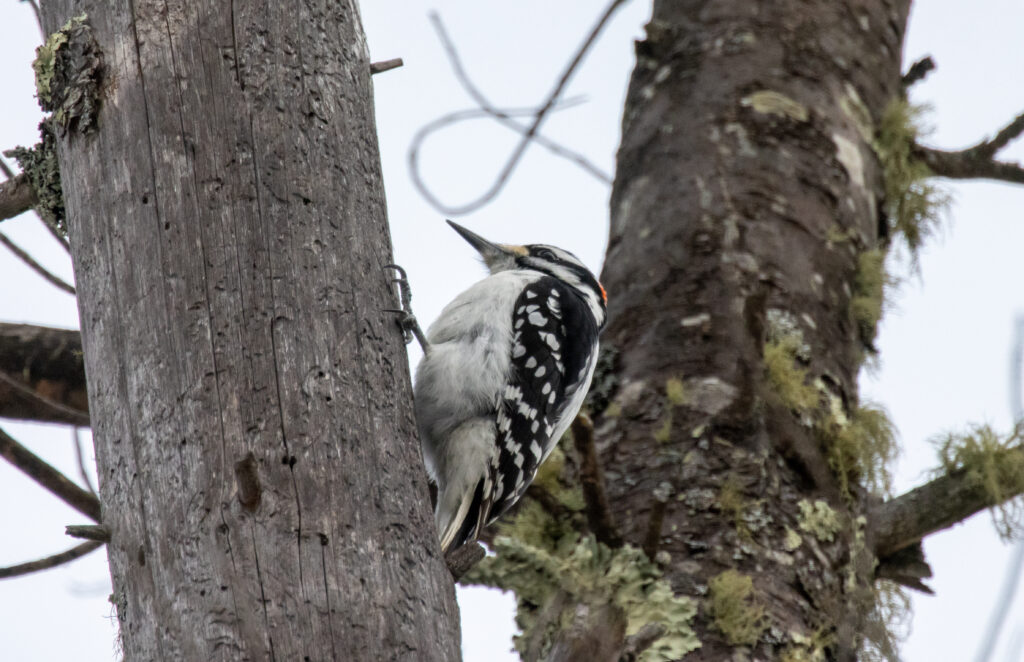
{"x": 508, "y": 366}
{"x": 554, "y": 337}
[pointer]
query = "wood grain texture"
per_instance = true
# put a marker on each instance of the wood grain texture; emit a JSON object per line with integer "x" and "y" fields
{"x": 228, "y": 230}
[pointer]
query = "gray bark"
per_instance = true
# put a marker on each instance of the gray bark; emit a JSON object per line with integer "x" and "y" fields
{"x": 258, "y": 463}
{"x": 745, "y": 154}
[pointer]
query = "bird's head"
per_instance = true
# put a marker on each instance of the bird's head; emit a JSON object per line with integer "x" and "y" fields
{"x": 550, "y": 260}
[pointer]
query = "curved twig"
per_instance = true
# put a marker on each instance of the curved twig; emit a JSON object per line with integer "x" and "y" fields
{"x": 528, "y": 136}
{"x": 49, "y": 478}
{"x": 50, "y": 561}
{"x": 35, "y": 266}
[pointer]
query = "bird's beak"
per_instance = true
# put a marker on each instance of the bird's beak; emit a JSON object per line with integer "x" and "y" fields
{"x": 492, "y": 253}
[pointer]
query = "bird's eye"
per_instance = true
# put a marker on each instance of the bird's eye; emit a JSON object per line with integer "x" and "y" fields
{"x": 545, "y": 254}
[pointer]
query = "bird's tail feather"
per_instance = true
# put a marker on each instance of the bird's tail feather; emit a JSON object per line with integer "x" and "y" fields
{"x": 465, "y": 523}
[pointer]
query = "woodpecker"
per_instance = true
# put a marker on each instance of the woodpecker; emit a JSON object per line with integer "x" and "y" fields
{"x": 506, "y": 367}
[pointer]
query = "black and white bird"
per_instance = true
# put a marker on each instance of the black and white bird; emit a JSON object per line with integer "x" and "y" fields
{"x": 506, "y": 367}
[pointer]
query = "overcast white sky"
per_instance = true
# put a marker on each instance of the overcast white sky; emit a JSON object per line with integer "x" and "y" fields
{"x": 945, "y": 342}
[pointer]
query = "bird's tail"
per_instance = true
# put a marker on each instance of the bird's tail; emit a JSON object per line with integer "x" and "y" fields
{"x": 459, "y": 524}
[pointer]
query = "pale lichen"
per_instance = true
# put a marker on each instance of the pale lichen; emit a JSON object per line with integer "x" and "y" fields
{"x": 992, "y": 463}
{"x": 819, "y": 519}
{"x": 770, "y": 102}
{"x": 590, "y": 572}
{"x": 913, "y": 204}
{"x": 734, "y": 609}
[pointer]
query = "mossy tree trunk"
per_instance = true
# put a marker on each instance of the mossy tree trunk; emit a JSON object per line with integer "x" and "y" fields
{"x": 250, "y": 402}
{"x": 746, "y": 196}
{"x": 744, "y": 280}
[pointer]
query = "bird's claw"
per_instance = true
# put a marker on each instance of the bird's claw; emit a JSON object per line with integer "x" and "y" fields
{"x": 407, "y": 321}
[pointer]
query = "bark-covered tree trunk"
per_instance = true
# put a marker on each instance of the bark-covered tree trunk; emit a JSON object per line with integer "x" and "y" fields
{"x": 250, "y": 401}
{"x": 746, "y": 196}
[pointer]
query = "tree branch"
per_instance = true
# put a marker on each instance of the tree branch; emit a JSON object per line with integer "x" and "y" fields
{"x": 644, "y": 638}
{"x": 918, "y": 71}
{"x": 41, "y": 375}
{"x": 385, "y": 65}
{"x": 936, "y": 505}
{"x": 35, "y": 266}
{"x": 599, "y": 513}
{"x": 50, "y": 561}
{"x": 96, "y": 532}
{"x": 977, "y": 162}
{"x": 49, "y": 478}
{"x": 16, "y": 196}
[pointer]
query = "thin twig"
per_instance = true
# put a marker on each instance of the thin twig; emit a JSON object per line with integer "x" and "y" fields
{"x": 50, "y": 561}
{"x": 599, "y": 514}
{"x": 6, "y": 169}
{"x": 464, "y": 557}
{"x": 977, "y": 162}
{"x": 502, "y": 116}
{"x": 528, "y": 136}
{"x": 385, "y": 65}
{"x": 76, "y": 415}
{"x": 52, "y": 229}
{"x": 76, "y": 440}
{"x": 35, "y": 266}
{"x": 88, "y": 531}
{"x": 39, "y": 16}
{"x": 49, "y": 478}
{"x": 918, "y": 71}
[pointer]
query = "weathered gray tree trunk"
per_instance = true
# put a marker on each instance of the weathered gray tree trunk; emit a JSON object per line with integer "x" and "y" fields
{"x": 746, "y": 190}
{"x": 250, "y": 400}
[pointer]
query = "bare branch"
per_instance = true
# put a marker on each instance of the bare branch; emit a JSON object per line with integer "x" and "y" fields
{"x": 16, "y": 196}
{"x": 968, "y": 164}
{"x": 80, "y": 458}
{"x": 918, "y": 71}
{"x": 68, "y": 412}
{"x": 41, "y": 375}
{"x": 35, "y": 266}
{"x": 49, "y": 478}
{"x": 528, "y": 136}
{"x": 936, "y": 505}
{"x": 39, "y": 17}
{"x": 96, "y": 532}
{"x": 599, "y": 514}
{"x": 385, "y": 65}
{"x": 977, "y": 162}
{"x": 464, "y": 557}
{"x": 50, "y": 561}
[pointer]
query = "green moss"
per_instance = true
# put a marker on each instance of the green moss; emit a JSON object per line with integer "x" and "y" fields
{"x": 868, "y": 298}
{"x": 590, "y": 572}
{"x": 861, "y": 448}
{"x": 735, "y": 612}
{"x": 787, "y": 379}
{"x": 819, "y": 520}
{"x": 664, "y": 431}
{"x": 731, "y": 501}
{"x": 913, "y": 204}
{"x": 990, "y": 463}
{"x": 43, "y": 64}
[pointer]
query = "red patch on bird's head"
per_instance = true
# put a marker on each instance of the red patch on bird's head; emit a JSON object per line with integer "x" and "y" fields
{"x": 604, "y": 295}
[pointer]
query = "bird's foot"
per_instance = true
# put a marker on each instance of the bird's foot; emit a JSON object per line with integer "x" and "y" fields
{"x": 406, "y": 320}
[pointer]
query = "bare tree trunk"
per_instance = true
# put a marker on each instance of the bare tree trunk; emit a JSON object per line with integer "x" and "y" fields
{"x": 250, "y": 400}
{"x": 747, "y": 189}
